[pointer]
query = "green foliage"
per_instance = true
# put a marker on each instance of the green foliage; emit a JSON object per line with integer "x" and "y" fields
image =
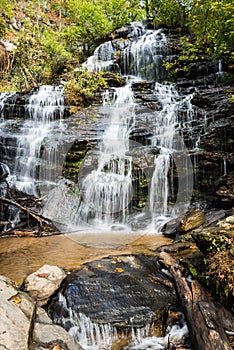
{"x": 212, "y": 26}
{"x": 168, "y": 12}
{"x": 81, "y": 88}
{"x": 57, "y": 35}
{"x": 5, "y": 13}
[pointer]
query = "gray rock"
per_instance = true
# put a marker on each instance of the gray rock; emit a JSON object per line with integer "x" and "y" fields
{"x": 44, "y": 282}
{"x": 46, "y": 334}
{"x": 17, "y": 310}
{"x": 25, "y": 326}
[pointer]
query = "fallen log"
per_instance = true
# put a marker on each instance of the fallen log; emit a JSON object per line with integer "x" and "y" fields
{"x": 41, "y": 220}
{"x": 208, "y": 321}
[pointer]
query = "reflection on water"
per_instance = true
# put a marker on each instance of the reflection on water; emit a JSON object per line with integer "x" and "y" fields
{"x": 22, "y": 256}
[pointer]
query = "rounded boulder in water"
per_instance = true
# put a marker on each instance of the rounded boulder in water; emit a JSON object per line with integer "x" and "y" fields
{"x": 123, "y": 291}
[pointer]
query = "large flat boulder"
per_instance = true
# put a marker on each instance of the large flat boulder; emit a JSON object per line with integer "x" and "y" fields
{"x": 123, "y": 291}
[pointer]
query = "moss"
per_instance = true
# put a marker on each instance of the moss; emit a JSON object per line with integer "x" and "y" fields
{"x": 74, "y": 159}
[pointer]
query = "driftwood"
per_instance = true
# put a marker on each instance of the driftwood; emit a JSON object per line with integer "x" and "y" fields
{"x": 41, "y": 220}
{"x": 29, "y": 212}
{"x": 207, "y": 320}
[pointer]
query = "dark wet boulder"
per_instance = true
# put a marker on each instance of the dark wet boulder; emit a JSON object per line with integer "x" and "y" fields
{"x": 170, "y": 229}
{"x": 123, "y": 291}
{"x": 174, "y": 247}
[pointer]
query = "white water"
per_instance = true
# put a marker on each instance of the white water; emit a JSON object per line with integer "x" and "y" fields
{"x": 106, "y": 191}
{"x": 143, "y": 57}
{"x": 93, "y": 336}
{"x": 44, "y": 107}
{"x": 3, "y": 97}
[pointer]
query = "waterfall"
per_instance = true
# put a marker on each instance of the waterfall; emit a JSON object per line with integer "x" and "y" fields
{"x": 108, "y": 178}
{"x": 140, "y": 54}
{"x": 106, "y": 191}
{"x": 167, "y": 139}
{"x": 106, "y": 197}
{"x": 143, "y": 58}
{"x": 43, "y": 108}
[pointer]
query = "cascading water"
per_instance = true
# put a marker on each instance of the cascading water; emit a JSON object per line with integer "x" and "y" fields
{"x": 107, "y": 189}
{"x": 144, "y": 57}
{"x": 43, "y": 108}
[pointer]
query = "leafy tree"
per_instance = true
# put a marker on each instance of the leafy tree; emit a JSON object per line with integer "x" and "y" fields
{"x": 57, "y": 35}
{"x": 212, "y": 27}
{"x": 167, "y": 12}
{"x": 5, "y": 12}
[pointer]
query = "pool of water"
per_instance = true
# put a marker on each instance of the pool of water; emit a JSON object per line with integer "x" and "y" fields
{"x": 20, "y": 256}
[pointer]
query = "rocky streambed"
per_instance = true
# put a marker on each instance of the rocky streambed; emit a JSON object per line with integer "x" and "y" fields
{"x": 128, "y": 295}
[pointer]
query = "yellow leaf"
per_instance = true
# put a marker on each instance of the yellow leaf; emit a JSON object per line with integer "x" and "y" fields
{"x": 119, "y": 269}
{"x": 99, "y": 265}
{"x": 16, "y": 299}
{"x": 174, "y": 315}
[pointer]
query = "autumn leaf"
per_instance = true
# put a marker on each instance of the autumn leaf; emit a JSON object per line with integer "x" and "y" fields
{"x": 57, "y": 347}
{"x": 100, "y": 265}
{"x": 42, "y": 275}
{"x": 174, "y": 315}
{"x": 16, "y": 299}
{"x": 119, "y": 269}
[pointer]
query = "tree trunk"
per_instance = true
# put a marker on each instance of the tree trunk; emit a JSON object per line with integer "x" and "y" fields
{"x": 207, "y": 320}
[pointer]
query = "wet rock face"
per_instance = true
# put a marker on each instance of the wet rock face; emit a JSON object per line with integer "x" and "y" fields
{"x": 121, "y": 291}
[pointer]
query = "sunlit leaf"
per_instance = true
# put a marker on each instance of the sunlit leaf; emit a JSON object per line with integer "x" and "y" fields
{"x": 119, "y": 269}
{"x": 16, "y": 299}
